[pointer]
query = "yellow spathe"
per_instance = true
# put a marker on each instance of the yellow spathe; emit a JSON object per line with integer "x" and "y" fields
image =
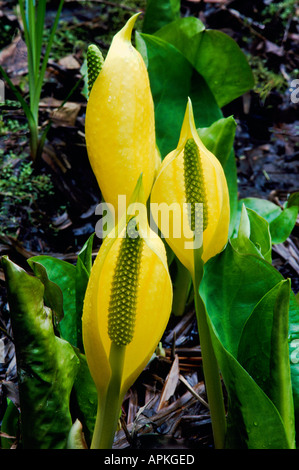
{"x": 120, "y": 123}
{"x": 169, "y": 188}
{"x": 153, "y": 308}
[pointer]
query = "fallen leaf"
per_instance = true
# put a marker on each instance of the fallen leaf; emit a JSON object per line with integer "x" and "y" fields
{"x": 13, "y": 58}
{"x": 69, "y": 62}
{"x": 170, "y": 383}
{"x": 67, "y": 115}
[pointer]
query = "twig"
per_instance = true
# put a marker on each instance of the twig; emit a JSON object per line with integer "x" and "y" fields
{"x": 191, "y": 390}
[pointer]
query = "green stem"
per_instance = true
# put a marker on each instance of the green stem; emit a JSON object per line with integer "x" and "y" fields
{"x": 210, "y": 366}
{"x": 181, "y": 289}
{"x": 109, "y": 406}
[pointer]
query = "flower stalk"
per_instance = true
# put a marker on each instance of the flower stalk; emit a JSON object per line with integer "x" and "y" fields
{"x": 108, "y": 412}
{"x": 210, "y": 365}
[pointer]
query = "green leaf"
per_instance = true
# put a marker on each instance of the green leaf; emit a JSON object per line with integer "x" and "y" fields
{"x": 253, "y": 420}
{"x": 282, "y": 226}
{"x": 181, "y": 32}
{"x": 281, "y": 221}
{"x": 253, "y": 235}
{"x": 215, "y": 55}
{"x": 160, "y": 12}
{"x": 83, "y": 268}
{"x": 86, "y": 398}
{"x": 52, "y": 296}
{"x": 264, "y": 351}
{"x": 173, "y": 80}
{"x": 85, "y": 254}
{"x": 233, "y": 284}
{"x": 266, "y": 209}
{"x": 219, "y": 139}
{"x": 46, "y": 364}
{"x": 9, "y": 425}
{"x": 64, "y": 275}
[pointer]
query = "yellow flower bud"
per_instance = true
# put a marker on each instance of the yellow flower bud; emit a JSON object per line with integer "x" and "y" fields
{"x": 188, "y": 175}
{"x": 120, "y": 122}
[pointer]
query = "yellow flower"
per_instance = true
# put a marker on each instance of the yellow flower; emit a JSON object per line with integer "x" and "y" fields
{"x": 120, "y": 123}
{"x": 128, "y": 299}
{"x": 188, "y": 175}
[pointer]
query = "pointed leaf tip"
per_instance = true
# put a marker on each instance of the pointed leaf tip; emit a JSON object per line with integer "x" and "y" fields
{"x": 126, "y": 32}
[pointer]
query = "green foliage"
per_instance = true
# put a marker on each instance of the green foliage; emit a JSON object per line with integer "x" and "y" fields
{"x": 281, "y": 221}
{"x": 173, "y": 79}
{"x": 46, "y": 312}
{"x": 214, "y": 55}
{"x": 72, "y": 281}
{"x": 219, "y": 139}
{"x": 47, "y": 365}
{"x": 266, "y": 80}
{"x": 237, "y": 289}
{"x": 284, "y": 9}
{"x": 33, "y": 19}
{"x": 20, "y": 188}
{"x": 159, "y": 14}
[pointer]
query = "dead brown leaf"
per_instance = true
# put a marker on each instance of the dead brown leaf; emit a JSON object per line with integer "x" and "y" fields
{"x": 170, "y": 384}
{"x": 13, "y": 58}
{"x": 69, "y": 62}
{"x": 67, "y": 115}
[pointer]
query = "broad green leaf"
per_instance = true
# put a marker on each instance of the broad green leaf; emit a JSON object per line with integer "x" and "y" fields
{"x": 85, "y": 398}
{"x": 242, "y": 242}
{"x": 85, "y": 254}
{"x": 232, "y": 285}
{"x": 230, "y": 170}
{"x": 260, "y": 234}
{"x": 64, "y": 275}
{"x": 253, "y": 420}
{"x": 253, "y": 235}
{"x": 267, "y": 209}
{"x": 160, "y": 12}
{"x": 219, "y": 139}
{"x": 181, "y": 32}
{"x": 83, "y": 268}
{"x": 215, "y": 55}
{"x": 9, "y": 425}
{"x": 53, "y": 295}
{"x": 46, "y": 364}
{"x": 264, "y": 351}
{"x": 173, "y": 80}
{"x": 281, "y": 221}
{"x": 282, "y": 226}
